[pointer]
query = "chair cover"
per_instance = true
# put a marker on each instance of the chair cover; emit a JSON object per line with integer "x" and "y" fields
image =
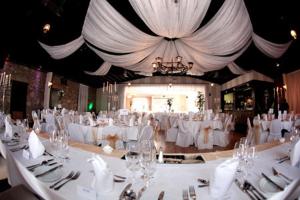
{"x": 184, "y": 137}
{"x": 205, "y": 140}
{"x": 275, "y": 130}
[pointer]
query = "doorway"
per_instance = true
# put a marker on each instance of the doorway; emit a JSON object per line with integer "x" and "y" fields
{"x": 18, "y": 99}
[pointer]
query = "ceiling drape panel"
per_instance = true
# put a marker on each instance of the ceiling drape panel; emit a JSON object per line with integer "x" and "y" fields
{"x": 102, "y": 70}
{"x": 169, "y": 19}
{"x": 226, "y": 33}
{"x": 105, "y": 28}
{"x": 270, "y": 49}
{"x": 235, "y": 69}
{"x": 62, "y": 51}
{"x": 217, "y": 44}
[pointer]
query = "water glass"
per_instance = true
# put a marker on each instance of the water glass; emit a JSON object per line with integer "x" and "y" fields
{"x": 132, "y": 159}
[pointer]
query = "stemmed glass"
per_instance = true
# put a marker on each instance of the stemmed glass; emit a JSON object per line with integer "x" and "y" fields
{"x": 148, "y": 160}
{"x": 132, "y": 157}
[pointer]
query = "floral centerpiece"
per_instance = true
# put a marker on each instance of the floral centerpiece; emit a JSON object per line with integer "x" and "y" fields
{"x": 200, "y": 101}
{"x": 170, "y": 102}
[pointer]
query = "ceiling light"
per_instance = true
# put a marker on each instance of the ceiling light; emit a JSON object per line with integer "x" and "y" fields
{"x": 46, "y": 28}
{"x": 129, "y": 84}
{"x": 211, "y": 84}
{"x": 171, "y": 67}
{"x": 294, "y": 34}
{"x": 277, "y": 65}
{"x": 170, "y": 85}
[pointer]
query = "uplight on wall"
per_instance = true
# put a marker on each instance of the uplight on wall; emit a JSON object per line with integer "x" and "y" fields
{"x": 50, "y": 84}
{"x": 46, "y": 28}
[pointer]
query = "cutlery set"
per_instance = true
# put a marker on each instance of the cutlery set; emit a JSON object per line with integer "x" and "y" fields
{"x": 205, "y": 183}
{"x": 283, "y": 159}
{"x": 19, "y": 148}
{"x": 251, "y": 191}
{"x": 191, "y": 192}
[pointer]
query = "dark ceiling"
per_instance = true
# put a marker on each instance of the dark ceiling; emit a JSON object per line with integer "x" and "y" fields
{"x": 22, "y": 22}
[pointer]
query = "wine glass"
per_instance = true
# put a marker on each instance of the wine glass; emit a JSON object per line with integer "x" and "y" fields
{"x": 132, "y": 157}
{"x": 148, "y": 160}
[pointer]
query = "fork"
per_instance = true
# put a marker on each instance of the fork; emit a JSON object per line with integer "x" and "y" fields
{"x": 70, "y": 179}
{"x": 67, "y": 177}
{"x": 185, "y": 195}
{"x": 192, "y": 192}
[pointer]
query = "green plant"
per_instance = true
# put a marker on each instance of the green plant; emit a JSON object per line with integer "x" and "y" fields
{"x": 200, "y": 101}
{"x": 170, "y": 102}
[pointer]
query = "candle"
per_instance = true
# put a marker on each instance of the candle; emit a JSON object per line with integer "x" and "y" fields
{"x": 107, "y": 86}
{"x": 103, "y": 87}
{"x": 6, "y": 79}
{"x": 9, "y": 79}
{"x": 1, "y": 78}
{"x": 115, "y": 87}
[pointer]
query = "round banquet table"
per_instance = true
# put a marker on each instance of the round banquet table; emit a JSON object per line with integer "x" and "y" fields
{"x": 171, "y": 178}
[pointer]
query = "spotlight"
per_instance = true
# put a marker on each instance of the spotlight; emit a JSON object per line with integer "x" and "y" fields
{"x": 46, "y": 28}
{"x": 294, "y": 34}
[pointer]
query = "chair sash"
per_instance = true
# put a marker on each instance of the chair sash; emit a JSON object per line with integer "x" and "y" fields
{"x": 112, "y": 139}
{"x": 94, "y": 134}
{"x": 256, "y": 133}
{"x": 206, "y": 134}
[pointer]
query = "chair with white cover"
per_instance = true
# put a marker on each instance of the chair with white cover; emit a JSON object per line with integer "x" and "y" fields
{"x": 185, "y": 136}
{"x": 112, "y": 136}
{"x": 147, "y": 133}
{"x": 172, "y": 132}
{"x": 292, "y": 191}
{"x": 275, "y": 130}
{"x": 259, "y": 135}
{"x": 249, "y": 131}
{"x": 205, "y": 139}
{"x": 50, "y": 123}
{"x": 221, "y": 137}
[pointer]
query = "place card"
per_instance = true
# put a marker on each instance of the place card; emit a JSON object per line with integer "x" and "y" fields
{"x": 86, "y": 193}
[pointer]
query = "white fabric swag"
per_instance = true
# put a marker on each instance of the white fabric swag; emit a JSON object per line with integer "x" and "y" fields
{"x": 83, "y": 98}
{"x": 217, "y": 44}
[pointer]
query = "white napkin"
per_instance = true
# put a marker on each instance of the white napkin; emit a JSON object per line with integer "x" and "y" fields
{"x": 110, "y": 122}
{"x": 8, "y": 128}
{"x": 295, "y": 154}
{"x": 131, "y": 121}
{"x": 92, "y": 122}
{"x": 222, "y": 178}
{"x": 80, "y": 119}
{"x": 108, "y": 149}
{"x": 36, "y": 148}
{"x": 103, "y": 181}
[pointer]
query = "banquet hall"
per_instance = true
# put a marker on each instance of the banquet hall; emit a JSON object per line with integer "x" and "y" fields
{"x": 149, "y": 99}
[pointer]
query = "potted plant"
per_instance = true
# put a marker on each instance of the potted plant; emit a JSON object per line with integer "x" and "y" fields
{"x": 169, "y": 102}
{"x": 200, "y": 101}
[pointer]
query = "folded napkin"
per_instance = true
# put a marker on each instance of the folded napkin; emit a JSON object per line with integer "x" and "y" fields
{"x": 108, "y": 149}
{"x": 295, "y": 154}
{"x": 131, "y": 121}
{"x": 222, "y": 178}
{"x": 80, "y": 119}
{"x": 110, "y": 122}
{"x": 92, "y": 122}
{"x": 36, "y": 148}
{"x": 103, "y": 181}
{"x": 8, "y": 128}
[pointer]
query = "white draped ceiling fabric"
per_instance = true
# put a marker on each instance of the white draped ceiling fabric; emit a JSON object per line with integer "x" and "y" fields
{"x": 215, "y": 45}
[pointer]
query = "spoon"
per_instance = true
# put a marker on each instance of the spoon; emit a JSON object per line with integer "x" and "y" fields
{"x": 276, "y": 173}
{"x": 44, "y": 162}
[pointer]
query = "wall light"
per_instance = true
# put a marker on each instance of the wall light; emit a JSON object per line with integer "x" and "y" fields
{"x": 212, "y": 84}
{"x": 46, "y": 28}
{"x": 294, "y": 34}
{"x": 50, "y": 84}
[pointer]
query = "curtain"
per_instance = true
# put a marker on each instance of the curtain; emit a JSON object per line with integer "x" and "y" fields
{"x": 293, "y": 90}
{"x": 83, "y": 98}
{"x": 47, "y": 90}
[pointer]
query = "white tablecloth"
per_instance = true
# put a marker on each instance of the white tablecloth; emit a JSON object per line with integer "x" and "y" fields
{"x": 88, "y": 134}
{"x": 171, "y": 178}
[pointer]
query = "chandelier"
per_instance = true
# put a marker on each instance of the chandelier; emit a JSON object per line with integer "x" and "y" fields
{"x": 171, "y": 67}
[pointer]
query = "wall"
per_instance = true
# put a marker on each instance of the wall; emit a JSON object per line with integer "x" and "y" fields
{"x": 291, "y": 80}
{"x": 35, "y": 80}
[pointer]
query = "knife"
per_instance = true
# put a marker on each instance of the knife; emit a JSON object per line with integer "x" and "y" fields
{"x": 48, "y": 171}
{"x": 124, "y": 191}
{"x": 161, "y": 195}
{"x": 271, "y": 181}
